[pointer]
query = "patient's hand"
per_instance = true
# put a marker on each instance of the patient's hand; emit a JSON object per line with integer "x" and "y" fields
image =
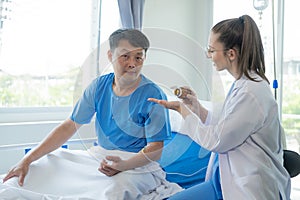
{"x": 174, "y": 105}
{"x": 20, "y": 170}
{"x": 111, "y": 166}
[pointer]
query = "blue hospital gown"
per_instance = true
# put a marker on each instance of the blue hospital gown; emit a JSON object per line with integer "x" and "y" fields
{"x": 123, "y": 122}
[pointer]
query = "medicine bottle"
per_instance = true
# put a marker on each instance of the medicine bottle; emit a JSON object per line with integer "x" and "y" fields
{"x": 181, "y": 92}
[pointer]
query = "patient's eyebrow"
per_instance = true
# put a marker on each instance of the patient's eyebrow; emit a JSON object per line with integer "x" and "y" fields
{"x": 139, "y": 51}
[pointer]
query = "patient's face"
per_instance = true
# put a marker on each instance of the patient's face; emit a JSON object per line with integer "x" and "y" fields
{"x": 127, "y": 61}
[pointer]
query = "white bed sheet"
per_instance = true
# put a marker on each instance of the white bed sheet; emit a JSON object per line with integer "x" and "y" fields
{"x": 72, "y": 175}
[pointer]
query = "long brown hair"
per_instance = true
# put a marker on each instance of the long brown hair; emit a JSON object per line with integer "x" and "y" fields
{"x": 242, "y": 34}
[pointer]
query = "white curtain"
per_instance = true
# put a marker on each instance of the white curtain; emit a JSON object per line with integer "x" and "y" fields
{"x": 131, "y": 13}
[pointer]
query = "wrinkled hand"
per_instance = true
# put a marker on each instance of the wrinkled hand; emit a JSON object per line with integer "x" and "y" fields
{"x": 20, "y": 170}
{"x": 112, "y": 165}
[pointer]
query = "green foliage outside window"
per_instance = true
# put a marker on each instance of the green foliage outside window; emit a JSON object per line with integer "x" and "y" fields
{"x": 291, "y": 106}
{"x": 35, "y": 91}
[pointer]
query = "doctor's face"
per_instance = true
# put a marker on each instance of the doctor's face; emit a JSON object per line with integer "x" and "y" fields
{"x": 217, "y": 53}
{"x": 127, "y": 60}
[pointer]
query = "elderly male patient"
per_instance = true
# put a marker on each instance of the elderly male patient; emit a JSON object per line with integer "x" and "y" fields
{"x": 130, "y": 130}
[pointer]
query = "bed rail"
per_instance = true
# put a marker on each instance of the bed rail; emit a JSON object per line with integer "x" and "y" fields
{"x": 31, "y": 145}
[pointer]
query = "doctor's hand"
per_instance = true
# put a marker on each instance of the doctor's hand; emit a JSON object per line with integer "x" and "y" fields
{"x": 112, "y": 165}
{"x": 20, "y": 170}
{"x": 191, "y": 100}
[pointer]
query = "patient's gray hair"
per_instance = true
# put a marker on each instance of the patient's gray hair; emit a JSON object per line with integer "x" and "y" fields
{"x": 135, "y": 37}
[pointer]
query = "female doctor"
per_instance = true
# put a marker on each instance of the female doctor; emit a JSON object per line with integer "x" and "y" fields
{"x": 247, "y": 137}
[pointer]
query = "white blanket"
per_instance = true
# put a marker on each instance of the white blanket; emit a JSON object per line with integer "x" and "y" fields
{"x": 73, "y": 175}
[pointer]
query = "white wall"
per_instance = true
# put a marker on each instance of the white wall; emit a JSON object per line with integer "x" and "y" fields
{"x": 177, "y": 31}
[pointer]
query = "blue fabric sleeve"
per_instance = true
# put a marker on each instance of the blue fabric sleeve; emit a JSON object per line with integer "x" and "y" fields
{"x": 153, "y": 117}
{"x": 84, "y": 109}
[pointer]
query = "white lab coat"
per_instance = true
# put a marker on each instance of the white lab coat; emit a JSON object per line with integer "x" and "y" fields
{"x": 247, "y": 139}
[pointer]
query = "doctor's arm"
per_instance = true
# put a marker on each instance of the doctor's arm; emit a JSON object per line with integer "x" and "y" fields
{"x": 54, "y": 140}
{"x": 232, "y": 128}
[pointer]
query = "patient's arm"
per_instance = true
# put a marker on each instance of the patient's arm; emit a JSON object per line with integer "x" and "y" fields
{"x": 54, "y": 140}
{"x": 151, "y": 152}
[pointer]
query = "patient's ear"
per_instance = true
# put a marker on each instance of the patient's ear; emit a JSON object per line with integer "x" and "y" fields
{"x": 109, "y": 55}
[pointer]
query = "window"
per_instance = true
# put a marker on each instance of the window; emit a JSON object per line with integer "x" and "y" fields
{"x": 43, "y": 44}
{"x": 291, "y": 76}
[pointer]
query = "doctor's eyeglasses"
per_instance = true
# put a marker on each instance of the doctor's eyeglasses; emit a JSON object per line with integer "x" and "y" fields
{"x": 209, "y": 51}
